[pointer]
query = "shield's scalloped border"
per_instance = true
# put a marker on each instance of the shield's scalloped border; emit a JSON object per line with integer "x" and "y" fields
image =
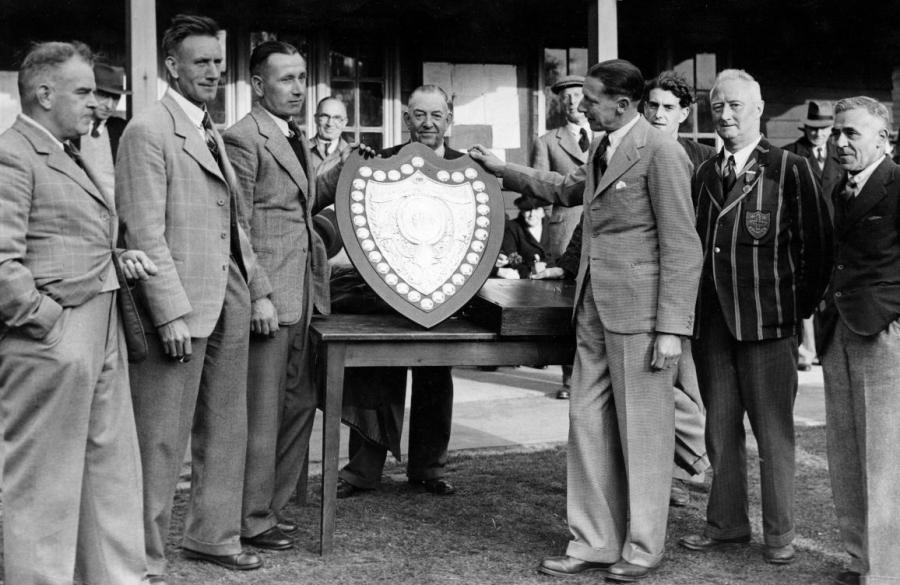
{"x": 432, "y": 164}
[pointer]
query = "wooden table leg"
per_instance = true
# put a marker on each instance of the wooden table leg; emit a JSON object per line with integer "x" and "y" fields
{"x": 331, "y": 439}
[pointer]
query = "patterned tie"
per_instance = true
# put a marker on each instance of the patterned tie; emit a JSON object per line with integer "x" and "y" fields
{"x": 74, "y": 154}
{"x": 851, "y": 188}
{"x": 210, "y": 134}
{"x": 584, "y": 143}
{"x": 600, "y": 159}
{"x": 820, "y": 157}
{"x": 95, "y": 129}
{"x": 729, "y": 177}
{"x": 295, "y": 139}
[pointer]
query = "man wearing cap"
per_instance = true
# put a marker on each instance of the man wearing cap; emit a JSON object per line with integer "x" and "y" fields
{"x": 563, "y": 150}
{"x": 822, "y": 155}
{"x": 98, "y": 147}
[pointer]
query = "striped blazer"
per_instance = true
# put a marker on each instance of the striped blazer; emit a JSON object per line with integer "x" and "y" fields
{"x": 766, "y": 244}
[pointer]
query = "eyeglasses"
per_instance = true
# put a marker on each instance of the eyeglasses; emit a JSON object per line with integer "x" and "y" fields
{"x": 326, "y": 118}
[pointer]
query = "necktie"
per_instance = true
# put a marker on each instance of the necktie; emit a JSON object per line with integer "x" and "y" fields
{"x": 820, "y": 157}
{"x": 600, "y": 159}
{"x": 73, "y": 154}
{"x": 850, "y": 189}
{"x": 729, "y": 177}
{"x": 211, "y": 143}
{"x": 95, "y": 129}
{"x": 295, "y": 140}
{"x": 584, "y": 143}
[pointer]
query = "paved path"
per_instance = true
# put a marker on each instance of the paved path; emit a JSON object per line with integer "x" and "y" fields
{"x": 517, "y": 408}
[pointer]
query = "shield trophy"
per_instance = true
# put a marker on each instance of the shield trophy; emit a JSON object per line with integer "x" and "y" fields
{"x": 424, "y": 232}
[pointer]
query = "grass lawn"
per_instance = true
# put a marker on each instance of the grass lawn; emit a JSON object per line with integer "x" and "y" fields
{"x": 509, "y": 512}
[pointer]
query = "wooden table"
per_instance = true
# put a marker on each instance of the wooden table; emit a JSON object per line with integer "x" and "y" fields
{"x": 344, "y": 341}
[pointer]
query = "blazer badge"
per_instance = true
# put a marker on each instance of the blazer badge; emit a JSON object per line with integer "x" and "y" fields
{"x": 757, "y": 223}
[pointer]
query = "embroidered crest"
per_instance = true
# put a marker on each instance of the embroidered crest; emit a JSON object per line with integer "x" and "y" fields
{"x": 757, "y": 223}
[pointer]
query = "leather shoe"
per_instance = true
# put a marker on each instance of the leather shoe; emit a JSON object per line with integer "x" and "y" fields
{"x": 345, "y": 489}
{"x": 289, "y": 527}
{"x": 271, "y": 539}
{"x": 846, "y": 578}
{"x": 567, "y": 566}
{"x": 679, "y": 497}
{"x": 437, "y": 486}
{"x": 242, "y": 561}
{"x": 779, "y": 555}
{"x": 155, "y": 580}
{"x": 626, "y": 572}
{"x": 701, "y": 543}
{"x": 562, "y": 393}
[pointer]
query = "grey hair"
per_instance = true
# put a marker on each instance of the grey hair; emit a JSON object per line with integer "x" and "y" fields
{"x": 737, "y": 75}
{"x": 862, "y": 102}
{"x": 42, "y": 61}
{"x": 431, "y": 88}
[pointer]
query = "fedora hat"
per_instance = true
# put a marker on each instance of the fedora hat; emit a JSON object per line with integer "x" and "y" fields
{"x": 110, "y": 79}
{"x": 567, "y": 81}
{"x": 819, "y": 114}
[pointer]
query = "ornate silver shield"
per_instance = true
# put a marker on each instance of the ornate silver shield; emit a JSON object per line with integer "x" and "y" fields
{"x": 424, "y": 232}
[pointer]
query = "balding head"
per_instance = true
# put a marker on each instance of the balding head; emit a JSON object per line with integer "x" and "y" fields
{"x": 428, "y": 115}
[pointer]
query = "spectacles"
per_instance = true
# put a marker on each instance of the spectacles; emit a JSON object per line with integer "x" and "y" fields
{"x": 326, "y": 118}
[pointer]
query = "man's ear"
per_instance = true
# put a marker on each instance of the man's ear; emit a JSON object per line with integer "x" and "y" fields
{"x": 622, "y": 104}
{"x": 685, "y": 112}
{"x": 256, "y": 82}
{"x": 449, "y": 119}
{"x": 44, "y": 96}
{"x": 406, "y": 118}
{"x": 171, "y": 66}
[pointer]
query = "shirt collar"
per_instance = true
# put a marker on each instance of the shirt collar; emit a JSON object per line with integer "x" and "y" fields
{"x": 616, "y": 136}
{"x": 741, "y": 156}
{"x": 862, "y": 176}
{"x": 39, "y": 126}
{"x": 280, "y": 122}
{"x": 194, "y": 113}
{"x": 575, "y": 129}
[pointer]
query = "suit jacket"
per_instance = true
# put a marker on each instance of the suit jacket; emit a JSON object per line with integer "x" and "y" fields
{"x": 114, "y": 128}
{"x": 766, "y": 244}
{"x": 558, "y": 151}
{"x": 57, "y": 232}
{"x": 865, "y": 284}
{"x": 175, "y": 204}
{"x": 317, "y": 154}
{"x": 829, "y": 176}
{"x": 697, "y": 152}
{"x": 277, "y": 201}
{"x": 642, "y": 258}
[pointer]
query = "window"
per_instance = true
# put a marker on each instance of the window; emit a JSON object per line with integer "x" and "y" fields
{"x": 357, "y": 77}
{"x": 700, "y": 72}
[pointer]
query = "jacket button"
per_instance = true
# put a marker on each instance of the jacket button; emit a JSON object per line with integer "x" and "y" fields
{"x": 838, "y": 294}
{"x": 840, "y": 266}
{"x": 221, "y": 202}
{"x": 224, "y": 266}
{"x": 718, "y": 249}
{"x": 223, "y": 236}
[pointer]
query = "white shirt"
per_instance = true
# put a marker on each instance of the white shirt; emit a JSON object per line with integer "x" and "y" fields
{"x": 740, "y": 157}
{"x": 36, "y": 124}
{"x": 575, "y": 130}
{"x": 616, "y": 137}
{"x": 862, "y": 176}
{"x": 194, "y": 113}
{"x": 281, "y": 123}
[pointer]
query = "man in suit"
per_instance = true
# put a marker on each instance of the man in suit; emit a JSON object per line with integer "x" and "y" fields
{"x": 99, "y": 146}
{"x": 860, "y": 355}
{"x": 331, "y": 119}
{"x": 71, "y": 466}
{"x": 176, "y": 192}
{"x": 766, "y": 236}
{"x": 563, "y": 150}
{"x": 821, "y": 153}
{"x": 277, "y": 199}
{"x": 428, "y": 115}
{"x": 636, "y": 286}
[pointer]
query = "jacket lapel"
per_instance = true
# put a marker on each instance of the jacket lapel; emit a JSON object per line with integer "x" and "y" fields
{"x": 194, "y": 145}
{"x": 280, "y": 148}
{"x": 569, "y": 144}
{"x": 711, "y": 183}
{"x": 749, "y": 176}
{"x": 872, "y": 193}
{"x": 626, "y": 155}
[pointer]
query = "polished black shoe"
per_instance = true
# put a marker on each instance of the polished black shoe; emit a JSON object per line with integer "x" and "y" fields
{"x": 242, "y": 561}
{"x": 289, "y": 527}
{"x": 437, "y": 486}
{"x": 563, "y": 393}
{"x": 846, "y": 578}
{"x": 625, "y": 572}
{"x": 271, "y": 539}
{"x": 779, "y": 555}
{"x": 701, "y": 543}
{"x": 679, "y": 497}
{"x": 345, "y": 489}
{"x": 567, "y": 566}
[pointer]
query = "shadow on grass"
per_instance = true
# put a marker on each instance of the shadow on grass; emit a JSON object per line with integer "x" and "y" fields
{"x": 509, "y": 512}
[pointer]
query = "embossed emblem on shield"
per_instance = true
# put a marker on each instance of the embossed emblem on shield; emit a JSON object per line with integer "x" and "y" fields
{"x": 757, "y": 223}
{"x": 424, "y": 232}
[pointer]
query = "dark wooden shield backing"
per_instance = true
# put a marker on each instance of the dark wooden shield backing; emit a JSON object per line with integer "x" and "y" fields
{"x": 424, "y": 232}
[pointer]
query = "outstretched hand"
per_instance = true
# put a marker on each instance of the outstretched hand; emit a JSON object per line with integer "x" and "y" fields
{"x": 490, "y": 161}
